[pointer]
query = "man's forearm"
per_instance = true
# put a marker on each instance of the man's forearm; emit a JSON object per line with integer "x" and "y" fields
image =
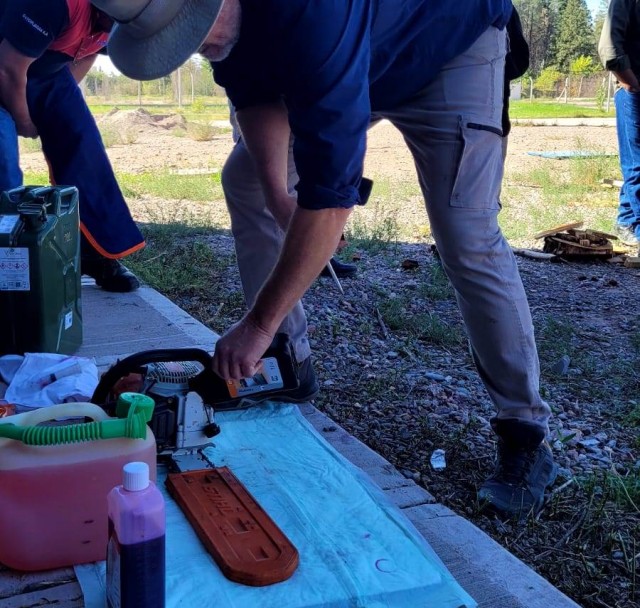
{"x": 628, "y": 80}
{"x": 13, "y": 87}
{"x": 310, "y": 242}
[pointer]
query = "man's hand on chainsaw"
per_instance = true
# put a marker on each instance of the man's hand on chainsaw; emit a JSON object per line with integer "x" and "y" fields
{"x": 238, "y": 351}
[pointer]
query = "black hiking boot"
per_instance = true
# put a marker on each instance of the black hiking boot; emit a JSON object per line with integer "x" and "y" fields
{"x": 341, "y": 269}
{"x": 524, "y": 468}
{"x": 109, "y": 274}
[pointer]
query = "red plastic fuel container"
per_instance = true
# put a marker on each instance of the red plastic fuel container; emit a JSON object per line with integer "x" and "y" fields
{"x": 136, "y": 549}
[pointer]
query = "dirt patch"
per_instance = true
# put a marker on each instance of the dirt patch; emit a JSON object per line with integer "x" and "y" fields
{"x": 387, "y": 156}
{"x": 170, "y": 121}
{"x": 122, "y": 120}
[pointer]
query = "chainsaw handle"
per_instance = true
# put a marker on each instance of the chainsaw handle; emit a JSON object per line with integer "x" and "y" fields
{"x": 129, "y": 364}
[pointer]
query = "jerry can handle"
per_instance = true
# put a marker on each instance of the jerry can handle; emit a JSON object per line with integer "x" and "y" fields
{"x": 19, "y": 190}
{"x": 61, "y": 410}
{"x": 134, "y": 411}
{"x": 60, "y": 197}
{"x": 66, "y": 196}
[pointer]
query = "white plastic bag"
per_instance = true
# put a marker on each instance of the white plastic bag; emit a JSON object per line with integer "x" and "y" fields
{"x": 44, "y": 379}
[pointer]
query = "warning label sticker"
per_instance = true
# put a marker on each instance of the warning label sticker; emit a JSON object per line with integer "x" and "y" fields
{"x": 7, "y": 223}
{"x": 14, "y": 269}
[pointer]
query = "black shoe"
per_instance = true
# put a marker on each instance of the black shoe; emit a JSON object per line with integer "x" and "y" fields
{"x": 307, "y": 389}
{"x": 524, "y": 468}
{"x": 626, "y": 234}
{"x": 109, "y": 274}
{"x": 341, "y": 269}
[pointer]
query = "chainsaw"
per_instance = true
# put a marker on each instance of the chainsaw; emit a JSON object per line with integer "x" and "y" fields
{"x": 244, "y": 541}
{"x": 187, "y": 392}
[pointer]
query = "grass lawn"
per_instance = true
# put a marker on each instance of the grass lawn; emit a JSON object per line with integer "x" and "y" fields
{"x": 523, "y": 109}
{"x": 205, "y": 109}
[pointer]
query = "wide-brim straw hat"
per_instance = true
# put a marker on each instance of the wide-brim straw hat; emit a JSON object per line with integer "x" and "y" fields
{"x": 152, "y": 38}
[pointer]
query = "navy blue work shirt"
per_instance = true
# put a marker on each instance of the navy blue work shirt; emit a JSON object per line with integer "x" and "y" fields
{"x": 37, "y": 27}
{"x": 334, "y": 62}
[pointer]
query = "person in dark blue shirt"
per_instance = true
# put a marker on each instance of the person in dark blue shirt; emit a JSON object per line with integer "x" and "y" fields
{"x": 324, "y": 70}
{"x": 46, "y": 48}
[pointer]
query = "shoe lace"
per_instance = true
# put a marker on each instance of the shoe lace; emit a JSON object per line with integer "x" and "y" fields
{"x": 514, "y": 464}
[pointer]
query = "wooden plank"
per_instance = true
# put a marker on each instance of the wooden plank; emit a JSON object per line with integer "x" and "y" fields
{"x": 68, "y": 595}
{"x": 532, "y": 253}
{"x": 556, "y": 229}
{"x": 602, "y": 235}
{"x": 593, "y": 248}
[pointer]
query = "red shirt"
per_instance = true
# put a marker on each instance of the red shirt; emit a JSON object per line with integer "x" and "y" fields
{"x": 55, "y": 32}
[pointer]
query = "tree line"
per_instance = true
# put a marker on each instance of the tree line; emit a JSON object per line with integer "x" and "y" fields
{"x": 561, "y": 33}
{"x": 192, "y": 80}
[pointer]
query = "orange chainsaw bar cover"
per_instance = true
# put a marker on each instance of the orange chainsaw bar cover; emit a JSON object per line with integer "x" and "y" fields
{"x": 244, "y": 541}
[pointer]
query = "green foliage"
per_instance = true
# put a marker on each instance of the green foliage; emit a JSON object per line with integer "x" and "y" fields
{"x": 539, "y": 20}
{"x": 438, "y": 286}
{"x": 603, "y": 6}
{"x": 569, "y": 192}
{"x": 112, "y": 136}
{"x": 399, "y": 316}
{"x": 601, "y": 95}
{"x": 190, "y": 269}
{"x": 582, "y": 65}
{"x": 199, "y": 131}
{"x": 170, "y": 186}
{"x": 198, "y": 106}
{"x": 27, "y": 145}
{"x": 376, "y": 233}
{"x": 547, "y": 81}
{"x": 575, "y": 34}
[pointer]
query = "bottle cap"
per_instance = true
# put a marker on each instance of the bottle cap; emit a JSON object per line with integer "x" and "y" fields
{"x": 135, "y": 476}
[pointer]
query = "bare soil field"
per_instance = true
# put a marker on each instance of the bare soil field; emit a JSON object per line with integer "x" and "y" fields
{"x": 154, "y": 146}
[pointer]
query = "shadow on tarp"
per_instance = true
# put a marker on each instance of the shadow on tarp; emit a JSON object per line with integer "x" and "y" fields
{"x": 356, "y": 548}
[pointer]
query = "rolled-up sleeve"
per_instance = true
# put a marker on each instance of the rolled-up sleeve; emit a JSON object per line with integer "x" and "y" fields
{"x": 328, "y": 100}
{"x": 314, "y": 54}
{"x": 611, "y": 46}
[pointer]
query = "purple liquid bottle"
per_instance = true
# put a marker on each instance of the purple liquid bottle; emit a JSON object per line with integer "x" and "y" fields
{"x": 135, "y": 553}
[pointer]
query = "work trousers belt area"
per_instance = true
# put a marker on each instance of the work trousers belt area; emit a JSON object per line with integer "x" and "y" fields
{"x": 76, "y": 155}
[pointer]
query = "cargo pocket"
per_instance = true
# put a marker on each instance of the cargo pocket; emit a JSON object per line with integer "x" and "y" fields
{"x": 477, "y": 181}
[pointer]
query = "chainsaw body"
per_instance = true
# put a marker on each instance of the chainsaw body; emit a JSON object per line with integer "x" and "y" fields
{"x": 187, "y": 392}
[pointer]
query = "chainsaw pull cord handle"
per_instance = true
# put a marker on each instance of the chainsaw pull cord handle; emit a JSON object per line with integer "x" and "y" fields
{"x": 129, "y": 364}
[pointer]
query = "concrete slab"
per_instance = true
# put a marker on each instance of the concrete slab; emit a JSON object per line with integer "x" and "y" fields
{"x": 117, "y": 325}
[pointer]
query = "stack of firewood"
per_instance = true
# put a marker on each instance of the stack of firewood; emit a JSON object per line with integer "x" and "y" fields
{"x": 570, "y": 241}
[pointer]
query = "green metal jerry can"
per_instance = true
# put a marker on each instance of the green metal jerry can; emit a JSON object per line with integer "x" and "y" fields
{"x": 40, "y": 305}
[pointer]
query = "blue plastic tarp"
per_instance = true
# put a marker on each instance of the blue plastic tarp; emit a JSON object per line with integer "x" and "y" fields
{"x": 562, "y": 154}
{"x": 356, "y": 548}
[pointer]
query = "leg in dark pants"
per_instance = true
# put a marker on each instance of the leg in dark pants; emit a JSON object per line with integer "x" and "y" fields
{"x": 77, "y": 157}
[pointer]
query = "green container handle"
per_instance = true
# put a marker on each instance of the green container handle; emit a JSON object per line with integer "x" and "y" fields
{"x": 134, "y": 411}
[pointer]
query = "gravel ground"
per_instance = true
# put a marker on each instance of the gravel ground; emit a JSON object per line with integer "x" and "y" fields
{"x": 395, "y": 371}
